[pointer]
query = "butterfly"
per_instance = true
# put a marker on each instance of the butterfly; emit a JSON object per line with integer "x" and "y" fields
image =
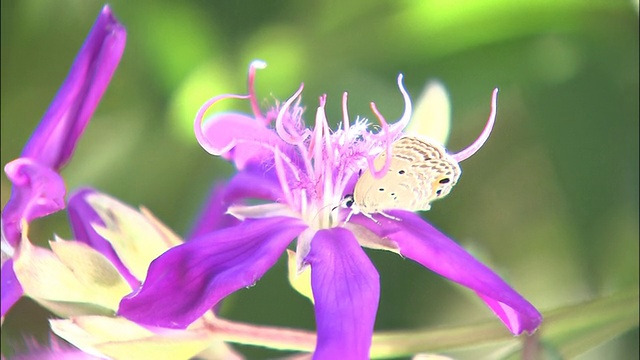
{"x": 420, "y": 172}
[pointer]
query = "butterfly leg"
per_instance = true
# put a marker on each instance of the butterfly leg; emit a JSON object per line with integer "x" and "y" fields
{"x": 389, "y": 216}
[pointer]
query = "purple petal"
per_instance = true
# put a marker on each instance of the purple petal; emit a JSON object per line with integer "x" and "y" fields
{"x": 53, "y": 142}
{"x": 421, "y": 242}
{"x": 37, "y": 191}
{"x": 82, "y": 216}
{"x": 346, "y": 289}
{"x": 240, "y": 138}
{"x": 247, "y": 184}
{"x": 11, "y": 289}
{"x": 187, "y": 280}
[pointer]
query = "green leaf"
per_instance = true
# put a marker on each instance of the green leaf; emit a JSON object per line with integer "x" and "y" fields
{"x": 565, "y": 333}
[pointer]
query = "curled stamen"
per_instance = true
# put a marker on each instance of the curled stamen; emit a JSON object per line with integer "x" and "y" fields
{"x": 387, "y": 161}
{"x": 202, "y": 139}
{"x": 473, "y": 148}
{"x": 287, "y": 137}
{"x": 255, "y": 64}
{"x": 406, "y": 116}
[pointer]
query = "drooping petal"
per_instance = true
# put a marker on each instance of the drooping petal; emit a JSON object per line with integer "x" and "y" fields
{"x": 82, "y": 218}
{"x": 37, "y": 191}
{"x": 11, "y": 289}
{"x": 187, "y": 280}
{"x": 346, "y": 289}
{"x": 251, "y": 183}
{"x": 53, "y": 142}
{"x": 421, "y": 242}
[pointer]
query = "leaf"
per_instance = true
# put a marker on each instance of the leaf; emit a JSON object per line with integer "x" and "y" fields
{"x": 565, "y": 333}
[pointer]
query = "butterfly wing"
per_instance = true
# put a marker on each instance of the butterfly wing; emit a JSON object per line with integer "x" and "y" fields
{"x": 420, "y": 172}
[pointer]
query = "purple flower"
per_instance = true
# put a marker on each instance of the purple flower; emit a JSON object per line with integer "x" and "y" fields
{"x": 300, "y": 174}
{"x": 38, "y": 190}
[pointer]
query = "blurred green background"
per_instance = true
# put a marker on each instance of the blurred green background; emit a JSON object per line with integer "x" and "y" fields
{"x": 551, "y": 202}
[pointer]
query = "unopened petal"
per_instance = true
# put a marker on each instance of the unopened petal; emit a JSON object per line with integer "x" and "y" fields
{"x": 53, "y": 142}
{"x": 421, "y": 242}
{"x": 346, "y": 289}
{"x": 189, "y": 279}
{"x": 37, "y": 191}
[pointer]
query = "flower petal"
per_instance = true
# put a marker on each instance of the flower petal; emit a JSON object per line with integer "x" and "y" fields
{"x": 240, "y": 138}
{"x": 11, "y": 289}
{"x": 346, "y": 289}
{"x": 432, "y": 114}
{"x": 251, "y": 183}
{"x": 53, "y": 142}
{"x": 421, "y": 242}
{"x": 37, "y": 191}
{"x": 187, "y": 280}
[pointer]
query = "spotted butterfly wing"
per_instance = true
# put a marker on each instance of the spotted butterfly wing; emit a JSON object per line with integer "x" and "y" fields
{"x": 420, "y": 172}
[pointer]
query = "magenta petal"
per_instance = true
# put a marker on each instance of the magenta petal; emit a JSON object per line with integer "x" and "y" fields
{"x": 241, "y": 138}
{"x": 53, "y": 142}
{"x": 11, "y": 289}
{"x": 37, "y": 191}
{"x": 213, "y": 215}
{"x": 187, "y": 280}
{"x": 82, "y": 216}
{"x": 247, "y": 184}
{"x": 346, "y": 289}
{"x": 421, "y": 242}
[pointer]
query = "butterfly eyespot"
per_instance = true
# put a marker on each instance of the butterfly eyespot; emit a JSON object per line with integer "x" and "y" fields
{"x": 444, "y": 181}
{"x": 401, "y": 172}
{"x": 381, "y": 189}
{"x": 439, "y": 192}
